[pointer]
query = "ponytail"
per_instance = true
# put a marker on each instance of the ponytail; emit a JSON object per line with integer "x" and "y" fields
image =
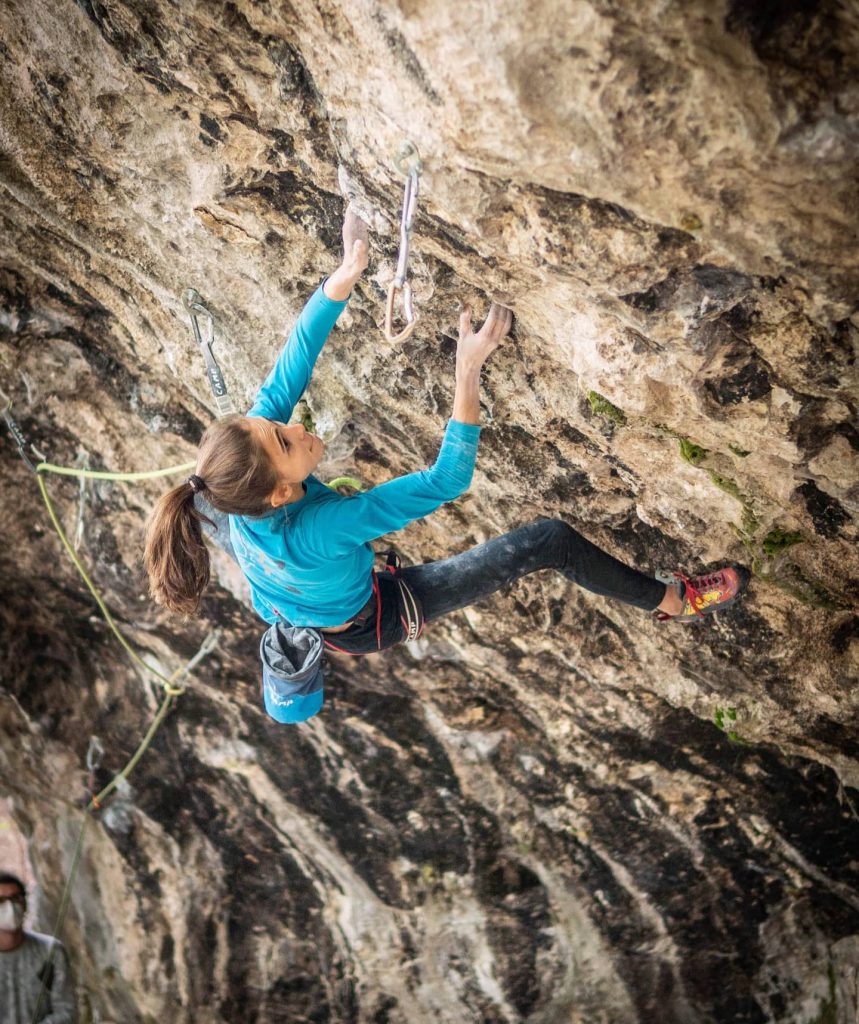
{"x": 176, "y": 559}
{"x": 238, "y": 478}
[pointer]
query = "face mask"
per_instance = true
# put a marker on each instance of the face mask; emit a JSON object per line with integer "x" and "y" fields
{"x": 11, "y": 916}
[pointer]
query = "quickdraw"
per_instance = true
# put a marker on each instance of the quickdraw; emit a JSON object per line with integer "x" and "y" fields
{"x": 407, "y": 162}
{"x": 17, "y": 433}
{"x": 194, "y": 305}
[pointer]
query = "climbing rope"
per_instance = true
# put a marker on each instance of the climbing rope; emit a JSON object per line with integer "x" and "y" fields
{"x": 346, "y": 481}
{"x": 170, "y": 684}
{"x": 93, "y": 761}
{"x": 98, "y": 474}
{"x": 171, "y": 692}
{"x": 44, "y": 467}
{"x": 81, "y": 462}
{"x": 173, "y": 685}
{"x": 408, "y": 163}
{"x": 47, "y": 467}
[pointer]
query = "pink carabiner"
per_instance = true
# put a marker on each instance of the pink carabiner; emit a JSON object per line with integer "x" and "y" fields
{"x": 411, "y": 319}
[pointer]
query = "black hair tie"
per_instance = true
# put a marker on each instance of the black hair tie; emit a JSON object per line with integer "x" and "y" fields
{"x": 196, "y": 483}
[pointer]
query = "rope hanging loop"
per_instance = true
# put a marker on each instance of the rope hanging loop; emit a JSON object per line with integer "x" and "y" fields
{"x": 408, "y": 162}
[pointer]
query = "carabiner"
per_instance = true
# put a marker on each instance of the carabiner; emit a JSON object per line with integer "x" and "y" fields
{"x": 194, "y": 305}
{"x": 407, "y": 162}
{"x": 16, "y": 432}
{"x": 408, "y": 159}
{"x": 408, "y": 309}
{"x": 410, "y": 203}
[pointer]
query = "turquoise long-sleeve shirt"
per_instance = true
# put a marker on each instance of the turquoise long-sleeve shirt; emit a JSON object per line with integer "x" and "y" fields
{"x": 309, "y": 562}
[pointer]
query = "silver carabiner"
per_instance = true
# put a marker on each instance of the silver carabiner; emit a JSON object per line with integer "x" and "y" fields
{"x": 194, "y": 305}
{"x": 16, "y": 432}
{"x": 94, "y": 754}
{"x": 407, "y": 162}
{"x": 410, "y": 204}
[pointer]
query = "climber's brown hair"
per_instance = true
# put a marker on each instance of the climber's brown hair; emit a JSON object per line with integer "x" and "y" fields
{"x": 239, "y": 479}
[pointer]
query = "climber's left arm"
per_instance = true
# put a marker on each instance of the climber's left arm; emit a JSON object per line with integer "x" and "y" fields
{"x": 290, "y": 375}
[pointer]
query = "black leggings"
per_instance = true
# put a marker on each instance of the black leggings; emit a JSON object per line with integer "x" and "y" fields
{"x": 456, "y": 582}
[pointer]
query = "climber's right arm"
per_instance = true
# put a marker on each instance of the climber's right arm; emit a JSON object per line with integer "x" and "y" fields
{"x": 355, "y": 258}
{"x": 290, "y": 375}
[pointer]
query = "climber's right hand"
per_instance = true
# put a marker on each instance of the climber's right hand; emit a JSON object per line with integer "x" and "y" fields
{"x": 356, "y": 255}
{"x": 473, "y": 349}
{"x": 356, "y": 252}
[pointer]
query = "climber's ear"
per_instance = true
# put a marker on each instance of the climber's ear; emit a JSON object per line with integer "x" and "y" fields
{"x": 282, "y": 493}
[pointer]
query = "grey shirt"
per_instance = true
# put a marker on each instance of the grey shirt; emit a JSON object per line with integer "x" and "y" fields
{"x": 21, "y": 974}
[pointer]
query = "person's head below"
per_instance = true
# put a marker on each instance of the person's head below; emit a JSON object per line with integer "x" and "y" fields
{"x": 246, "y": 465}
{"x": 13, "y": 909}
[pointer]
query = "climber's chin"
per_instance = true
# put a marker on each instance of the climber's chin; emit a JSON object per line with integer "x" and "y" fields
{"x": 317, "y": 447}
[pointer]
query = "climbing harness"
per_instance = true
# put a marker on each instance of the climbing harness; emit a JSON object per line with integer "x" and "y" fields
{"x": 409, "y": 613}
{"x": 408, "y": 163}
{"x": 194, "y": 305}
{"x": 412, "y": 616}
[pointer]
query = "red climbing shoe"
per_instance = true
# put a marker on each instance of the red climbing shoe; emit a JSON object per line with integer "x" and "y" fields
{"x": 704, "y": 594}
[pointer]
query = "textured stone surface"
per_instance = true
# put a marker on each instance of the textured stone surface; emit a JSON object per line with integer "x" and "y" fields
{"x": 549, "y": 810}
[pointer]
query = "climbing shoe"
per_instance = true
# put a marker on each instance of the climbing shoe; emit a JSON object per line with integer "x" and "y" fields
{"x": 705, "y": 594}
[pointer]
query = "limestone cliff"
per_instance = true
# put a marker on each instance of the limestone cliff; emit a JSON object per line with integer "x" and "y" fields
{"x": 549, "y": 809}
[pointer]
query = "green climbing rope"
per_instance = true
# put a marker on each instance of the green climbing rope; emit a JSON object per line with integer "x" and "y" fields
{"x": 97, "y": 474}
{"x": 169, "y": 683}
{"x": 171, "y": 690}
{"x": 46, "y": 971}
{"x": 108, "y": 618}
{"x": 346, "y": 481}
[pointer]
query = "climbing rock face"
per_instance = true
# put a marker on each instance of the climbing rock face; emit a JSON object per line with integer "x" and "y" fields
{"x": 549, "y": 808}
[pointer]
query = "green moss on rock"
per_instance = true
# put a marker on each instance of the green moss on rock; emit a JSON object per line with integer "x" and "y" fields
{"x": 778, "y": 540}
{"x": 726, "y": 720}
{"x": 792, "y": 580}
{"x": 726, "y": 484}
{"x": 603, "y": 407}
{"x": 693, "y": 453}
{"x": 828, "y": 1013}
{"x": 305, "y": 418}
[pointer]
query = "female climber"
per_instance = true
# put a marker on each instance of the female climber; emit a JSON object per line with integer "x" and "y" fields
{"x": 305, "y": 549}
